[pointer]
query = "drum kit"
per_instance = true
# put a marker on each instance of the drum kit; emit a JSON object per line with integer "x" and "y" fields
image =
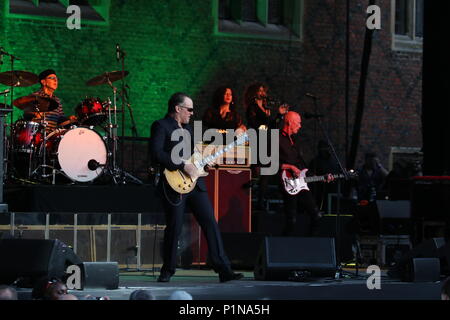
{"x": 75, "y": 149}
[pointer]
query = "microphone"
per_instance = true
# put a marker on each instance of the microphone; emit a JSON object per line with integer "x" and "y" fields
{"x": 308, "y": 115}
{"x": 311, "y": 96}
{"x": 117, "y": 52}
{"x": 94, "y": 164}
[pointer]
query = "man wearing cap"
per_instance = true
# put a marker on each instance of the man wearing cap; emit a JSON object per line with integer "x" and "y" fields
{"x": 49, "y": 84}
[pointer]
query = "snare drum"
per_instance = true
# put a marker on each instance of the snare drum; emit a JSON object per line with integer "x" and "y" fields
{"x": 91, "y": 112}
{"x": 26, "y": 136}
{"x": 75, "y": 148}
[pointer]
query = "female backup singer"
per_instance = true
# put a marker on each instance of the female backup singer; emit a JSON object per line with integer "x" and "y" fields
{"x": 257, "y": 111}
{"x": 222, "y": 114}
{"x": 259, "y": 118}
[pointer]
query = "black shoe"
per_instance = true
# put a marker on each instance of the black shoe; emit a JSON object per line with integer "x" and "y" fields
{"x": 224, "y": 277}
{"x": 164, "y": 277}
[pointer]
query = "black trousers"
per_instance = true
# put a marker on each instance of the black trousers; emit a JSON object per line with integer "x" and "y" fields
{"x": 293, "y": 205}
{"x": 175, "y": 208}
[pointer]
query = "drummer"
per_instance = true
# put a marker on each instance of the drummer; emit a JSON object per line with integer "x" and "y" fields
{"x": 49, "y": 84}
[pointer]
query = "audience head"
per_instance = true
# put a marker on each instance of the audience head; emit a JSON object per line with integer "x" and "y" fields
{"x": 48, "y": 288}
{"x": 67, "y": 297}
{"x": 142, "y": 295}
{"x": 7, "y": 293}
{"x": 180, "y": 295}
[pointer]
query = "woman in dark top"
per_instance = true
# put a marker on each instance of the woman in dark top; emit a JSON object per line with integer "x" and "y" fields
{"x": 222, "y": 114}
{"x": 256, "y": 106}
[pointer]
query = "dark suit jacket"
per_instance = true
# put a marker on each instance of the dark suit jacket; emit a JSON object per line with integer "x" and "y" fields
{"x": 161, "y": 145}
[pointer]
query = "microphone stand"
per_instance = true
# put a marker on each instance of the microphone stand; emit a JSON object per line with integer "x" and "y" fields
{"x": 3, "y": 116}
{"x": 122, "y": 55}
{"x": 133, "y": 130}
{"x": 11, "y": 129}
{"x": 123, "y": 96}
{"x": 338, "y": 274}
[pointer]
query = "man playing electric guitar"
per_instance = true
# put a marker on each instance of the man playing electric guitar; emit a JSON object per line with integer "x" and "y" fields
{"x": 180, "y": 110}
{"x": 292, "y": 164}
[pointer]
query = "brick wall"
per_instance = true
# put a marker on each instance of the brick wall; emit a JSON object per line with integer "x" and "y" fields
{"x": 171, "y": 47}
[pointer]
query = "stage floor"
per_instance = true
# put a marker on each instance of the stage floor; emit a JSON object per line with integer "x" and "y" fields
{"x": 205, "y": 285}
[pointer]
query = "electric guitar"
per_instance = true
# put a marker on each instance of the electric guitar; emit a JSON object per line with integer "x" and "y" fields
{"x": 294, "y": 185}
{"x": 182, "y": 183}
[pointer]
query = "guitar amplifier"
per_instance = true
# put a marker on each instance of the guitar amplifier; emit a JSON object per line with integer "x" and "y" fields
{"x": 238, "y": 156}
{"x": 231, "y": 199}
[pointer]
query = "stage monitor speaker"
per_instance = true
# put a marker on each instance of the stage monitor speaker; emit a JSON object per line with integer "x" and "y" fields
{"x": 399, "y": 209}
{"x": 30, "y": 259}
{"x": 100, "y": 275}
{"x": 280, "y": 256}
{"x": 394, "y": 217}
{"x": 424, "y": 270}
{"x": 427, "y": 249}
{"x": 242, "y": 248}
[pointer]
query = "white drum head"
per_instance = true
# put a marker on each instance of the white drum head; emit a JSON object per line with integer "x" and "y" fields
{"x": 77, "y": 147}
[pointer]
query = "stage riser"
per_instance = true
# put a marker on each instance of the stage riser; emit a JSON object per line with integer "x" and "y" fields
{"x": 131, "y": 246}
{"x": 83, "y": 198}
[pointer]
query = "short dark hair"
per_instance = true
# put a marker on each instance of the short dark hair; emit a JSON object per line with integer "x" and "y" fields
{"x": 142, "y": 295}
{"x": 175, "y": 100}
{"x": 42, "y": 285}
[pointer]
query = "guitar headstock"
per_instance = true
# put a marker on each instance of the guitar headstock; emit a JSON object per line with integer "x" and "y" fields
{"x": 352, "y": 174}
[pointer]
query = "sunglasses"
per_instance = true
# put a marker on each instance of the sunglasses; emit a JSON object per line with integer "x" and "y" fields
{"x": 188, "y": 109}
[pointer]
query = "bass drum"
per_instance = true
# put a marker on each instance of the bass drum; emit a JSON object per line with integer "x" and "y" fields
{"x": 76, "y": 148}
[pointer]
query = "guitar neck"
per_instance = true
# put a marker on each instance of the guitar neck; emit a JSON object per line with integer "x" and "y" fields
{"x": 214, "y": 156}
{"x": 323, "y": 178}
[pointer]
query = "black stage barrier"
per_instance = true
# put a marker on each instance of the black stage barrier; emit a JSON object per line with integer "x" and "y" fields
{"x": 83, "y": 199}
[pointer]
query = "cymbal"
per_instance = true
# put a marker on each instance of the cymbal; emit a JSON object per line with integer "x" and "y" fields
{"x": 34, "y": 103}
{"x": 103, "y": 78}
{"x": 18, "y": 78}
